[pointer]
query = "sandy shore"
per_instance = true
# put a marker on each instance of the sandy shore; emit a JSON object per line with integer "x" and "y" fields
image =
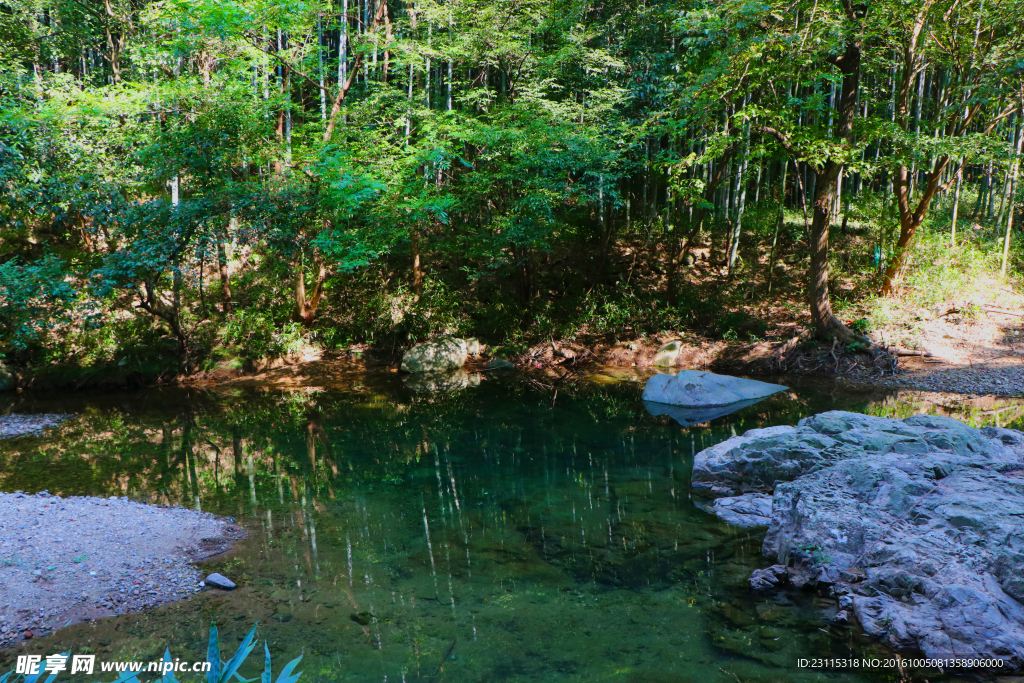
{"x": 64, "y": 560}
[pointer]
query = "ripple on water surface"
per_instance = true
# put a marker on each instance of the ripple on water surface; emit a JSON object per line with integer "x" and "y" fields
{"x": 498, "y": 533}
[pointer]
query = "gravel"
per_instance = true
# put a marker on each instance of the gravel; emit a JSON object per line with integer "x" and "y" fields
{"x": 998, "y": 380}
{"x": 64, "y": 560}
{"x": 20, "y": 425}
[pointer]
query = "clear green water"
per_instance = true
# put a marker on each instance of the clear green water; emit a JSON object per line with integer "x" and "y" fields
{"x": 501, "y": 533}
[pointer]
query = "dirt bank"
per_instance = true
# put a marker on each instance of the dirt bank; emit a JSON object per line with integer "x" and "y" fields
{"x": 64, "y": 560}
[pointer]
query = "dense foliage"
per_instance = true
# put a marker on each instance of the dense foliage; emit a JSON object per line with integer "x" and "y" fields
{"x": 189, "y": 183}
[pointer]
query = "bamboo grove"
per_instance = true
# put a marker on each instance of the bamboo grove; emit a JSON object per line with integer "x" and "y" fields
{"x": 183, "y": 178}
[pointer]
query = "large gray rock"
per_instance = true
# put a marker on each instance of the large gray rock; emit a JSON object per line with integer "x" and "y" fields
{"x": 918, "y": 523}
{"x": 698, "y": 389}
{"x": 437, "y": 355}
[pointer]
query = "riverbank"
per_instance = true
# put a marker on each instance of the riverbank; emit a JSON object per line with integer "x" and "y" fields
{"x": 65, "y": 560}
{"x": 990, "y": 370}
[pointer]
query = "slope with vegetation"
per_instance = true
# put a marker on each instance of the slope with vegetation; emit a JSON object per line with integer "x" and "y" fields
{"x": 190, "y": 185}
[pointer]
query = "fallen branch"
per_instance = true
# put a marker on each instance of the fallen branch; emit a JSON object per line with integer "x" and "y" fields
{"x": 895, "y": 351}
{"x": 989, "y": 309}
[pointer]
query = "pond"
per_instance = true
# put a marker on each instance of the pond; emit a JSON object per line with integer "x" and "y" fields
{"x": 510, "y": 531}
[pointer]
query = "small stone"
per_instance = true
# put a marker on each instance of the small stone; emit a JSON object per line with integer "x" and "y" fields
{"x": 29, "y": 634}
{"x": 220, "y": 581}
{"x": 841, "y": 617}
{"x": 769, "y": 579}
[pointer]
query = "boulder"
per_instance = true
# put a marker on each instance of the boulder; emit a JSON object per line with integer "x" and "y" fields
{"x": 699, "y": 389}
{"x": 915, "y": 523}
{"x": 437, "y": 355}
{"x": 667, "y": 354}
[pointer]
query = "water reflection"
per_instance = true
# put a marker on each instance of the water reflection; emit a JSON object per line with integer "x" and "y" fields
{"x": 489, "y": 535}
{"x": 689, "y": 417}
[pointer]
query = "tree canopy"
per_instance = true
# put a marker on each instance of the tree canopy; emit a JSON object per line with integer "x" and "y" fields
{"x": 181, "y": 182}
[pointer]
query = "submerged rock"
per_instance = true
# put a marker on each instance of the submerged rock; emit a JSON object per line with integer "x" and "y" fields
{"x": 698, "y": 389}
{"x": 917, "y": 523}
{"x": 500, "y": 364}
{"x": 437, "y": 355}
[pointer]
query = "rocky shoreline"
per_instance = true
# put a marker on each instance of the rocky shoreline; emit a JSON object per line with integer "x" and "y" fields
{"x": 915, "y": 527}
{"x": 65, "y": 560}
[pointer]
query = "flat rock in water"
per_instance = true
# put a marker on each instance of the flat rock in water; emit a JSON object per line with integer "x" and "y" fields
{"x": 220, "y": 581}
{"x": 439, "y": 355}
{"x": 698, "y": 389}
{"x": 916, "y": 523}
{"x": 500, "y": 364}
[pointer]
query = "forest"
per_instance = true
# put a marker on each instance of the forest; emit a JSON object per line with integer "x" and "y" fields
{"x": 193, "y": 184}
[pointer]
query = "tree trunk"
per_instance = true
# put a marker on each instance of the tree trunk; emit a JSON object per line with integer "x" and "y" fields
{"x": 740, "y": 192}
{"x": 956, "y": 205}
{"x": 225, "y": 277}
{"x": 825, "y": 322}
{"x": 1014, "y": 169}
{"x": 305, "y": 307}
{"x": 417, "y": 268}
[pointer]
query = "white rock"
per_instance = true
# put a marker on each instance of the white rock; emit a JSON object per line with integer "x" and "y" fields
{"x": 695, "y": 388}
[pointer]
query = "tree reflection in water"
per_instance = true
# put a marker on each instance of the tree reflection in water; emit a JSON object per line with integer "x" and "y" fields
{"x": 486, "y": 534}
